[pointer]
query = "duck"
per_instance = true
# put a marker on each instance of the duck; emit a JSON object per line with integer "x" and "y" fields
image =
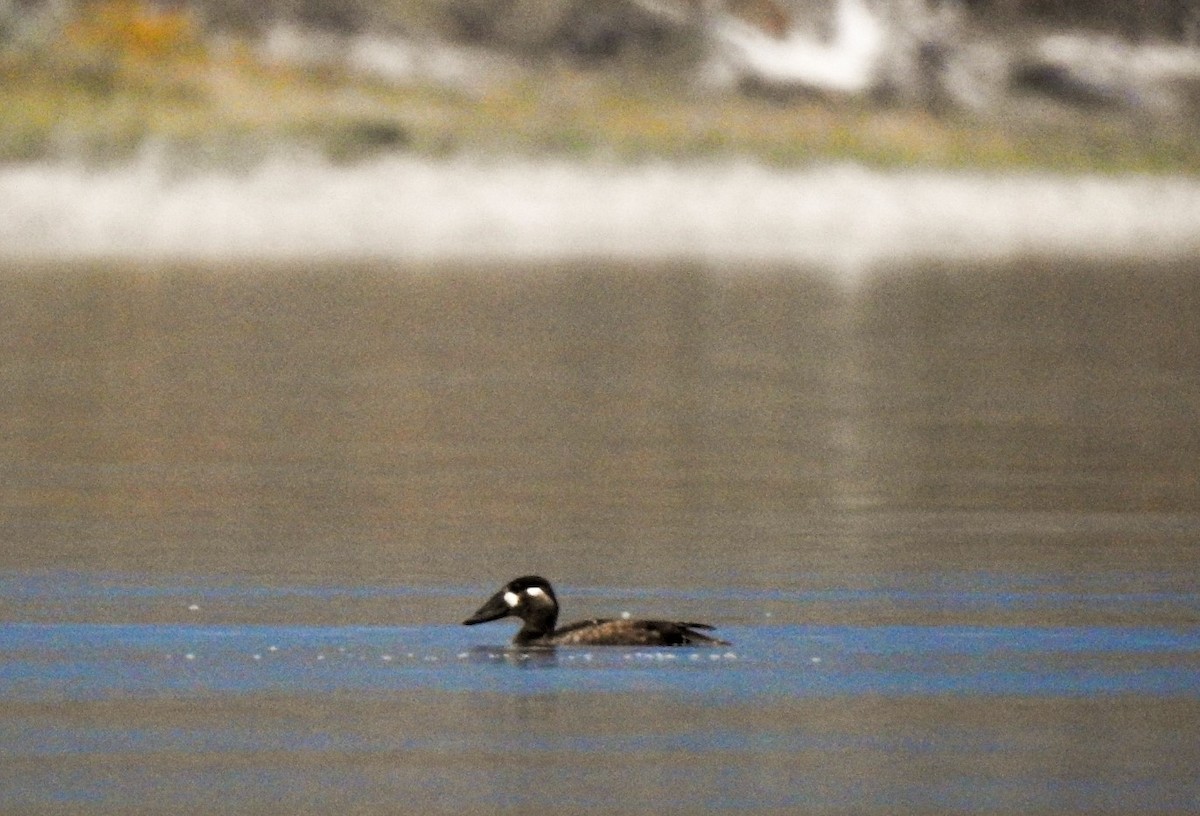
{"x": 532, "y": 599}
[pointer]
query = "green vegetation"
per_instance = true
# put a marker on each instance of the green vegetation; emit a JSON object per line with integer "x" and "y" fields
{"x": 122, "y": 75}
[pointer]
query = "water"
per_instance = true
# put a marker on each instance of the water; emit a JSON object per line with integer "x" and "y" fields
{"x": 100, "y": 716}
{"x": 947, "y": 517}
{"x": 99, "y": 661}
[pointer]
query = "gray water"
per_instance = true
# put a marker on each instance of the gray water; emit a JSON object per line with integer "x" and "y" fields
{"x": 947, "y": 518}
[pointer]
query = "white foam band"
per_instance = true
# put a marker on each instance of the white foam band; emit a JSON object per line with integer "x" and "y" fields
{"x": 849, "y": 218}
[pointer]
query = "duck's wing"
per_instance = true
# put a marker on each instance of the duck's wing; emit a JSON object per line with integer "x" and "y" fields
{"x": 625, "y": 632}
{"x": 590, "y": 632}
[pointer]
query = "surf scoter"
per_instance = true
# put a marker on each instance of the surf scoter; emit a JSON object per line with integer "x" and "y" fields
{"x": 531, "y": 599}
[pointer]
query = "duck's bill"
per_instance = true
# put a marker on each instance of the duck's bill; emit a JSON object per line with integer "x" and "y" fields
{"x": 495, "y": 608}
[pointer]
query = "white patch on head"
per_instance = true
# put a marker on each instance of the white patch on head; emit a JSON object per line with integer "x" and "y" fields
{"x": 534, "y": 592}
{"x": 511, "y": 598}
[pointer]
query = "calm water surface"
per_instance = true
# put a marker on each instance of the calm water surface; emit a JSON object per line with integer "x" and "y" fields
{"x": 948, "y": 518}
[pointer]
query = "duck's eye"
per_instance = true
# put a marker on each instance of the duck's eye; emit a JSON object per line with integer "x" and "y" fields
{"x": 512, "y": 598}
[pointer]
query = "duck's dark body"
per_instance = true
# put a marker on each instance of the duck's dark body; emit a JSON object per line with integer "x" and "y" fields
{"x": 532, "y": 600}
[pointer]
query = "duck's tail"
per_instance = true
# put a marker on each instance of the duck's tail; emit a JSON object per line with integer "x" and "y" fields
{"x": 691, "y": 637}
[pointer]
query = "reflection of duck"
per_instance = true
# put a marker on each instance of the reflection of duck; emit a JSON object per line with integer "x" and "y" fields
{"x": 531, "y": 599}
{"x": 531, "y": 657}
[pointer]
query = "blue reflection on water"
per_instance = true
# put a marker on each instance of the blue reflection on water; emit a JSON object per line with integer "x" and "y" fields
{"x": 45, "y": 657}
{"x": 95, "y": 755}
{"x": 80, "y": 661}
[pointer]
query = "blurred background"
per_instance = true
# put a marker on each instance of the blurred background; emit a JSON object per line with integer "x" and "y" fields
{"x": 1000, "y": 83}
{"x": 458, "y": 284}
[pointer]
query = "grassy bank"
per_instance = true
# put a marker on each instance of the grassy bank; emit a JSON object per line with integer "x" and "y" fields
{"x": 124, "y": 76}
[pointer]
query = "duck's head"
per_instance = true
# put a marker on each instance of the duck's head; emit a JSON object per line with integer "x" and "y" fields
{"x": 529, "y": 598}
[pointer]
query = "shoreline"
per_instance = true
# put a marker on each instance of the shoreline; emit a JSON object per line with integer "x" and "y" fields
{"x": 845, "y": 218}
